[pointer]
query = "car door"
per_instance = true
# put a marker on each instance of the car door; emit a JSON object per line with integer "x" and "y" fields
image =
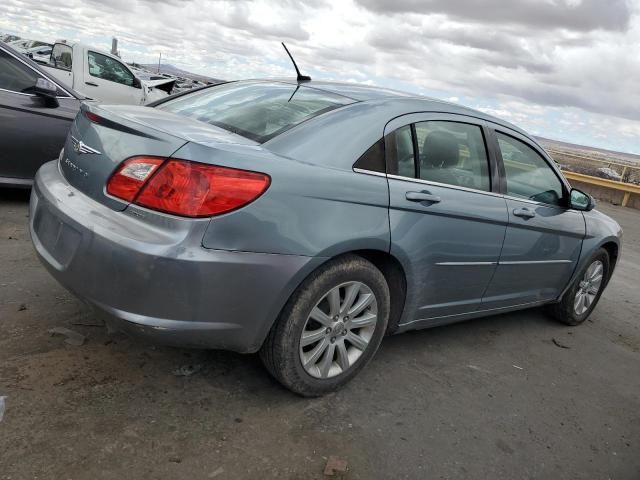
{"x": 447, "y": 221}
{"x": 32, "y": 131}
{"x": 544, "y": 237}
{"x": 110, "y": 81}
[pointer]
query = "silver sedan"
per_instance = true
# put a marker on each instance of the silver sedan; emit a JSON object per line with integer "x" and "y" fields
{"x": 307, "y": 220}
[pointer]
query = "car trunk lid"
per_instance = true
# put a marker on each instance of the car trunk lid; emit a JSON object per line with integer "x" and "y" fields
{"x": 102, "y": 137}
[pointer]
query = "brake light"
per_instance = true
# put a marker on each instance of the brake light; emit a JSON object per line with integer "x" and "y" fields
{"x": 185, "y": 188}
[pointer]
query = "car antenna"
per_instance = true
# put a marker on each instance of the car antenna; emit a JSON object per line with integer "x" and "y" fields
{"x": 301, "y": 78}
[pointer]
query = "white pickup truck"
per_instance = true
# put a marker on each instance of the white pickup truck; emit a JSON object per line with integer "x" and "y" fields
{"x": 102, "y": 76}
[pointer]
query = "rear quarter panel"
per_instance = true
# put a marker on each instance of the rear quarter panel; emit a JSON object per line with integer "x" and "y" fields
{"x": 309, "y": 209}
{"x": 316, "y": 205}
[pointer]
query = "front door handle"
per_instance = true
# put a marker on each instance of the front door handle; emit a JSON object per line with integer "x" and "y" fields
{"x": 91, "y": 83}
{"x": 423, "y": 196}
{"x": 524, "y": 212}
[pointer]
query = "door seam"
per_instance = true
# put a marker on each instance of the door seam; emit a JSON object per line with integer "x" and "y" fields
{"x": 504, "y": 237}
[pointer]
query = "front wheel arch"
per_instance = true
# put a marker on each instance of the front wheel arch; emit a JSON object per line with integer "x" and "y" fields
{"x": 564, "y": 310}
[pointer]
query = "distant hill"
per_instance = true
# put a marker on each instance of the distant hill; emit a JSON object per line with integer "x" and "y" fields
{"x": 172, "y": 70}
{"x": 590, "y": 151}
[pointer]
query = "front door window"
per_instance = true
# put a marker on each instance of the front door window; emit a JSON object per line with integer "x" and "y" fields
{"x": 528, "y": 174}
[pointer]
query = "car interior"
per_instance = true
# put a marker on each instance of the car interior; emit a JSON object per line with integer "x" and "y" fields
{"x": 445, "y": 157}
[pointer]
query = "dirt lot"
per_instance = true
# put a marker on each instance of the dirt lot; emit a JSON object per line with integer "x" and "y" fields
{"x": 491, "y": 398}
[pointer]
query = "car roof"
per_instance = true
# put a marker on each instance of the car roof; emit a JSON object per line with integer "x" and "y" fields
{"x": 418, "y": 103}
{"x": 354, "y": 91}
{"x": 401, "y": 103}
{"x": 357, "y": 91}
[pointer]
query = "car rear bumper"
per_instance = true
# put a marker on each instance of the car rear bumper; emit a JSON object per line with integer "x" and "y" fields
{"x": 158, "y": 280}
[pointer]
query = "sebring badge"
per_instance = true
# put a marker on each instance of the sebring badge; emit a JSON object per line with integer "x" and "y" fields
{"x": 80, "y": 147}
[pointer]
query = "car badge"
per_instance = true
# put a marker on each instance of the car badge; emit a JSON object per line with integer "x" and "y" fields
{"x": 80, "y": 147}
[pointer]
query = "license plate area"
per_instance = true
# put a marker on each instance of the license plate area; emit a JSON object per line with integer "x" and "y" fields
{"x": 58, "y": 239}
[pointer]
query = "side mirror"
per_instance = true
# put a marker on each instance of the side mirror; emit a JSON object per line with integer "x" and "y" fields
{"x": 137, "y": 83}
{"x": 48, "y": 91}
{"x": 581, "y": 201}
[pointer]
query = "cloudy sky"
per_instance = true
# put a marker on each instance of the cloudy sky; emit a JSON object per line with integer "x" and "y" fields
{"x": 563, "y": 69}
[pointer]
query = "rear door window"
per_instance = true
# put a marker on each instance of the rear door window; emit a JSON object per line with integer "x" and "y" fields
{"x": 373, "y": 158}
{"x": 528, "y": 175}
{"x": 256, "y": 110}
{"x": 401, "y": 153}
{"x": 453, "y": 153}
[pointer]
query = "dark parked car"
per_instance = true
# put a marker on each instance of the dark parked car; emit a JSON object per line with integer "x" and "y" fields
{"x": 308, "y": 220}
{"x": 35, "y": 117}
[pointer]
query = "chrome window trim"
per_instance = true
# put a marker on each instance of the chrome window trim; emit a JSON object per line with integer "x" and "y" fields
{"x": 444, "y": 185}
{"x": 464, "y": 189}
{"x": 542, "y": 204}
{"x": 28, "y": 94}
{"x": 527, "y": 200}
{"x": 18, "y": 93}
{"x": 42, "y": 74}
{"x": 364, "y": 171}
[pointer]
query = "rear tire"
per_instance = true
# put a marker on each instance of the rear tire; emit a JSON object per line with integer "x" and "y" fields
{"x": 582, "y": 297}
{"x": 330, "y": 328}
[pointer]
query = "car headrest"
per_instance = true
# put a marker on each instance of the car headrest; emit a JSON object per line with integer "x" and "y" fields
{"x": 440, "y": 150}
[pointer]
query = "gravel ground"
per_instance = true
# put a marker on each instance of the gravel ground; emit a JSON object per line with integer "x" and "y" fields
{"x": 491, "y": 398}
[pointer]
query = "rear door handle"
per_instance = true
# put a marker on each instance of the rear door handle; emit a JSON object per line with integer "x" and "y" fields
{"x": 91, "y": 83}
{"x": 524, "y": 212}
{"x": 423, "y": 196}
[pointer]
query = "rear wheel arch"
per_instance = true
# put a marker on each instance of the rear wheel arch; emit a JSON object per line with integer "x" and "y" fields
{"x": 394, "y": 274}
{"x": 391, "y": 269}
{"x": 282, "y": 351}
{"x": 396, "y": 278}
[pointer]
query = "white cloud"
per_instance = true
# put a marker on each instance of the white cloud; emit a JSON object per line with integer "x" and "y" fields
{"x": 534, "y": 63}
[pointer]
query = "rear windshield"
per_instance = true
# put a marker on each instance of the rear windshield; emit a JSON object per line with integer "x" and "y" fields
{"x": 256, "y": 110}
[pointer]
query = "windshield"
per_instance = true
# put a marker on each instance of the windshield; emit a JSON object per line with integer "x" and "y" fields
{"x": 256, "y": 110}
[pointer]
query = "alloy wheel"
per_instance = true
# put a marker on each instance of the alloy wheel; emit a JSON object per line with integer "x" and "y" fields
{"x": 338, "y": 330}
{"x": 589, "y": 287}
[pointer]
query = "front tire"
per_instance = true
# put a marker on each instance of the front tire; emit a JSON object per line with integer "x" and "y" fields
{"x": 583, "y": 296}
{"x": 330, "y": 328}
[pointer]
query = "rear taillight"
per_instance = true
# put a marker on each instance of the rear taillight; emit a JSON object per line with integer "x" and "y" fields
{"x": 185, "y": 188}
{"x": 131, "y": 176}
